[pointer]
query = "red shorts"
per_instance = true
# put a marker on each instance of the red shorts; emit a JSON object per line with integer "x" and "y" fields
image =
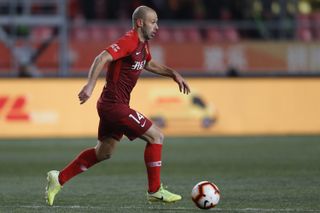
{"x": 117, "y": 120}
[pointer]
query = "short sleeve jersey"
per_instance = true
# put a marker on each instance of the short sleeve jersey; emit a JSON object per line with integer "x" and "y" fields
{"x": 130, "y": 55}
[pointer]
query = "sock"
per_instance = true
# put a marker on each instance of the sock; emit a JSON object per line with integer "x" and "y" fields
{"x": 81, "y": 163}
{"x": 152, "y": 159}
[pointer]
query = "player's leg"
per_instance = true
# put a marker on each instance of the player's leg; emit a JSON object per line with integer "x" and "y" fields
{"x": 87, "y": 159}
{"x": 105, "y": 149}
{"x": 152, "y": 155}
{"x": 137, "y": 125}
{"x": 81, "y": 163}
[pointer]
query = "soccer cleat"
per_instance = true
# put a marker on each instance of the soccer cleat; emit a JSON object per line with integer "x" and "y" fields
{"x": 163, "y": 195}
{"x": 53, "y": 186}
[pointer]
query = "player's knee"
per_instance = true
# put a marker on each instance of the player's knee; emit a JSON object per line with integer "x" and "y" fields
{"x": 107, "y": 156}
{"x": 102, "y": 157}
{"x": 159, "y": 138}
{"x": 102, "y": 154}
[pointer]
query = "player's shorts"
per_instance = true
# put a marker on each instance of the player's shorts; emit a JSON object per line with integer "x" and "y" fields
{"x": 117, "y": 120}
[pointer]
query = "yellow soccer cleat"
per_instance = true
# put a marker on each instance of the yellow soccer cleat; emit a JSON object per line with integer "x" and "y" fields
{"x": 53, "y": 186}
{"x": 163, "y": 195}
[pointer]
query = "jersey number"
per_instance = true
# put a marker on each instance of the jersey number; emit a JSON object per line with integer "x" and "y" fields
{"x": 138, "y": 119}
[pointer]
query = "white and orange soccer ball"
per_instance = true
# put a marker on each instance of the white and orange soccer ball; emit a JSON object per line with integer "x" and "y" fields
{"x": 205, "y": 195}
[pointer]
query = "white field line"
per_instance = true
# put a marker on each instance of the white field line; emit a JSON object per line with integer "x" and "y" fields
{"x": 157, "y": 208}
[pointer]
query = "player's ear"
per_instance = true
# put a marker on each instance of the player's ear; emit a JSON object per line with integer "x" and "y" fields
{"x": 139, "y": 22}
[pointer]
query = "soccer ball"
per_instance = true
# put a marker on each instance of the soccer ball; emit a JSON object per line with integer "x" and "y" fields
{"x": 205, "y": 195}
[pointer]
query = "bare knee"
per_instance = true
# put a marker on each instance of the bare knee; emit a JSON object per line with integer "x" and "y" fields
{"x": 105, "y": 149}
{"x": 158, "y": 138}
{"x": 103, "y": 156}
{"x": 153, "y": 135}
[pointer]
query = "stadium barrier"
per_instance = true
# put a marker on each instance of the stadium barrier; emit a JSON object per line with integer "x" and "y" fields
{"x": 246, "y": 106}
{"x": 249, "y": 58}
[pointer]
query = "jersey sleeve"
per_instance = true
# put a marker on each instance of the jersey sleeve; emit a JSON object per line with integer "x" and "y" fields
{"x": 121, "y": 48}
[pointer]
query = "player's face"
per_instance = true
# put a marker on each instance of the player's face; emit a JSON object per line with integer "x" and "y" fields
{"x": 150, "y": 25}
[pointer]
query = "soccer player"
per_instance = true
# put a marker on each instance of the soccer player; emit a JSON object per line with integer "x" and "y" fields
{"x": 127, "y": 57}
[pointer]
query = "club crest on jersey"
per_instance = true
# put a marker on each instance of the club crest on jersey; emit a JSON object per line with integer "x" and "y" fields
{"x": 138, "y": 65}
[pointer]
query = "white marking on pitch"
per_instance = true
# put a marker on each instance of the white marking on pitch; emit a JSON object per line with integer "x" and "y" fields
{"x": 159, "y": 208}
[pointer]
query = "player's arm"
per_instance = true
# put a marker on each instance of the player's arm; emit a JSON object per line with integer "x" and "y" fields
{"x": 160, "y": 69}
{"x": 95, "y": 70}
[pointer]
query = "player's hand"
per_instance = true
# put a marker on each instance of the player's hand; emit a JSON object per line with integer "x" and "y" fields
{"x": 183, "y": 85}
{"x": 85, "y": 93}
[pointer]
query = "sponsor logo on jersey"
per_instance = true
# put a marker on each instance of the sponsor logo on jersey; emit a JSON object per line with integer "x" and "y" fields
{"x": 138, "y": 65}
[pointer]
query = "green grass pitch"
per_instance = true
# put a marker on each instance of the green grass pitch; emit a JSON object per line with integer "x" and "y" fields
{"x": 254, "y": 174}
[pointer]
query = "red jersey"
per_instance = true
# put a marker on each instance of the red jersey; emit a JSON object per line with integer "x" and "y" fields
{"x": 130, "y": 55}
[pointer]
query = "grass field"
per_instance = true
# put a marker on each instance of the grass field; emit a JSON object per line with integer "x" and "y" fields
{"x": 254, "y": 174}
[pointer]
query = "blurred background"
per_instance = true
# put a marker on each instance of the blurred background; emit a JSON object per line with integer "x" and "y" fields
{"x": 253, "y": 65}
{"x": 60, "y": 38}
